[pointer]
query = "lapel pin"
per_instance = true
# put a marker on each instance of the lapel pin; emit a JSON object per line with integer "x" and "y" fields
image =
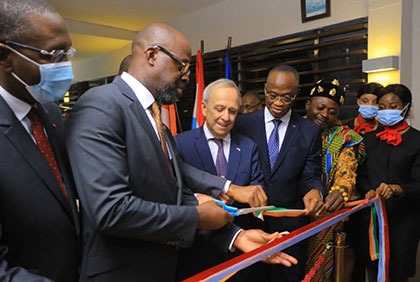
{"x": 54, "y": 125}
{"x": 238, "y": 149}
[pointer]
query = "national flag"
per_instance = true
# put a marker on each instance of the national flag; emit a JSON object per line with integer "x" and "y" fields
{"x": 198, "y": 117}
{"x": 228, "y": 67}
{"x": 168, "y": 116}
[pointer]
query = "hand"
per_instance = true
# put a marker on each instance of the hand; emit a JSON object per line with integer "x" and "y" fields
{"x": 253, "y": 195}
{"x": 202, "y": 198}
{"x": 251, "y": 239}
{"x": 388, "y": 190}
{"x": 334, "y": 201}
{"x": 212, "y": 216}
{"x": 226, "y": 199}
{"x": 313, "y": 203}
{"x": 370, "y": 193}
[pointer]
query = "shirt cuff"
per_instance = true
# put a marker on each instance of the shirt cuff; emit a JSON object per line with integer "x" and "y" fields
{"x": 227, "y": 185}
{"x": 231, "y": 247}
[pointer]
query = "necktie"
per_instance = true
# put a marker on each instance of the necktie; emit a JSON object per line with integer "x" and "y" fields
{"x": 155, "y": 111}
{"x": 44, "y": 146}
{"x": 221, "y": 162}
{"x": 273, "y": 143}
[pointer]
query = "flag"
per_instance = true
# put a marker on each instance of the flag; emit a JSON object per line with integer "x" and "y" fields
{"x": 168, "y": 117}
{"x": 198, "y": 117}
{"x": 228, "y": 67}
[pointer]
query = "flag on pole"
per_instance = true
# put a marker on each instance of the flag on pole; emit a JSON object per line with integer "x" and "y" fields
{"x": 168, "y": 117}
{"x": 228, "y": 67}
{"x": 198, "y": 117}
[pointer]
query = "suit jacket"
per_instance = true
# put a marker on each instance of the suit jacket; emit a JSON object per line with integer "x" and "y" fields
{"x": 135, "y": 214}
{"x": 297, "y": 169}
{"x": 38, "y": 230}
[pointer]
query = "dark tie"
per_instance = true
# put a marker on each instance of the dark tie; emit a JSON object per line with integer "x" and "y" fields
{"x": 221, "y": 162}
{"x": 273, "y": 143}
{"x": 44, "y": 146}
{"x": 155, "y": 111}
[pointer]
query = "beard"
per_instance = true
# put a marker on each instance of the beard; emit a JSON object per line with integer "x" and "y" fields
{"x": 167, "y": 95}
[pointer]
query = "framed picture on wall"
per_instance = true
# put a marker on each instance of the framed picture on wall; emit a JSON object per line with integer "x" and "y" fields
{"x": 315, "y": 9}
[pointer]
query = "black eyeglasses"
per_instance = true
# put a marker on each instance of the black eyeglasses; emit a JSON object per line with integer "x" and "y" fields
{"x": 54, "y": 55}
{"x": 287, "y": 99}
{"x": 183, "y": 67}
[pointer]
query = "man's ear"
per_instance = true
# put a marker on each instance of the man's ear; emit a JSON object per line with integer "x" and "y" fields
{"x": 203, "y": 108}
{"x": 307, "y": 105}
{"x": 151, "y": 55}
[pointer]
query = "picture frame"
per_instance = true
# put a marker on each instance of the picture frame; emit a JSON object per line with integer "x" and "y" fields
{"x": 315, "y": 9}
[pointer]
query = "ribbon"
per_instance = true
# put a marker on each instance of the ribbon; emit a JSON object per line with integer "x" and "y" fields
{"x": 392, "y": 136}
{"x": 227, "y": 268}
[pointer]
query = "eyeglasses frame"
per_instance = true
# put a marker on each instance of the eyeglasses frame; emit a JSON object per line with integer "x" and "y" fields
{"x": 175, "y": 58}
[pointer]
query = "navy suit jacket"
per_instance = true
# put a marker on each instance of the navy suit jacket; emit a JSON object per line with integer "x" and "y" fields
{"x": 243, "y": 165}
{"x": 39, "y": 231}
{"x": 297, "y": 169}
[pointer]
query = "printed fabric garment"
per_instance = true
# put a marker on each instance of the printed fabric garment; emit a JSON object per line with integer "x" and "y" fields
{"x": 342, "y": 151}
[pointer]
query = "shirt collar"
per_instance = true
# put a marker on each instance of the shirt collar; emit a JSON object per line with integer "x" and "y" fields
{"x": 210, "y": 136}
{"x": 144, "y": 96}
{"x": 19, "y": 107}
{"x": 268, "y": 117}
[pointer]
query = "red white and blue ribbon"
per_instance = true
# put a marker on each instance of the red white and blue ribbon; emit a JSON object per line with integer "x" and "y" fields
{"x": 228, "y": 268}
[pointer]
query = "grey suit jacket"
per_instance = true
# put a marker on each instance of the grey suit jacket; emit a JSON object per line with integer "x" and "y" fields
{"x": 135, "y": 215}
{"x": 39, "y": 231}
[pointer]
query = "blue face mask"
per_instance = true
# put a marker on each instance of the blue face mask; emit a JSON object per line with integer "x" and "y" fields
{"x": 368, "y": 111}
{"x": 55, "y": 80}
{"x": 391, "y": 117}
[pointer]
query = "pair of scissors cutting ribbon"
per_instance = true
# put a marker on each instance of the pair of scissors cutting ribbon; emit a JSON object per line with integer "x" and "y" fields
{"x": 236, "y": 212}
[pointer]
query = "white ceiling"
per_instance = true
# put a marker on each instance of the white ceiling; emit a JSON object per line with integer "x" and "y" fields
{"x": 98, "y": 26}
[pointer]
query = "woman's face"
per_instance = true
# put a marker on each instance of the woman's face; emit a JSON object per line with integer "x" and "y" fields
{"x": 390, "y": 101}
{"x": 368, "y": 99}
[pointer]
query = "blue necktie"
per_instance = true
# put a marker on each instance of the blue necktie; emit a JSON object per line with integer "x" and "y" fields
{"x": 221, "y": 162}
{"x": 273, "y": 143}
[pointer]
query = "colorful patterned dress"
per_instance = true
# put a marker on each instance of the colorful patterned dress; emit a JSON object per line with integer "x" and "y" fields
{"x": 342, "y": 151}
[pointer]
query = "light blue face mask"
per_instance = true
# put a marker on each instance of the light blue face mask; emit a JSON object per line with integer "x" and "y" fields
{"x": 391, "y": 117}
{"x": 368, "y": 111}
{"x": 55, "y": 80}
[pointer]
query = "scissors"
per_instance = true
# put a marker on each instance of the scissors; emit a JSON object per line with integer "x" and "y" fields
{"x": 236, "y": 212}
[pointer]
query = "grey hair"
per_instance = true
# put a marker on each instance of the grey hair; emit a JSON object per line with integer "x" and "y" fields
{"x": 14, "y": 23}
{"x": 220, "y": 83}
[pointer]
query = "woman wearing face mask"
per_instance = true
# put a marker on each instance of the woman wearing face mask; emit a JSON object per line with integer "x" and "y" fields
{"x": 392, "y": 170}
{"x": 367, "y": 100}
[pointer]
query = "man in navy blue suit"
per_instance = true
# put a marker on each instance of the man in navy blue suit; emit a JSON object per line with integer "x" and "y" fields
{"x": 289, "y": 150}
{"x": 199, "y": 148}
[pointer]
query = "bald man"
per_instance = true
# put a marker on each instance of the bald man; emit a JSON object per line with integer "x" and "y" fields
{"x": 136, "y": 207}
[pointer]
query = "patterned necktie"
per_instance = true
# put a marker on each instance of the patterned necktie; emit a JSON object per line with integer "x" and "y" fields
{"x": 155, "y": 111}
{"x": 221, "y": 162}
{"x": 44, "y": 146}
{"x": 273, "y": 143}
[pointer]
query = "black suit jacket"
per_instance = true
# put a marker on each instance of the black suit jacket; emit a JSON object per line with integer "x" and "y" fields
{"x": 135, "y": 215}
{"x": 38, "y": 230}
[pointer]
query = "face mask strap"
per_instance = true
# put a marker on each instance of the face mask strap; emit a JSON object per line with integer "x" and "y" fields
{"x": 405, "y": 110}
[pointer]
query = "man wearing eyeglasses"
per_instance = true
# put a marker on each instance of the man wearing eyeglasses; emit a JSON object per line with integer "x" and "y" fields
{"x": 251, "y": 102}
{"x": 39, "y": 227}
{"x": 137, "y": 208}
{"x": 289, "y": 150}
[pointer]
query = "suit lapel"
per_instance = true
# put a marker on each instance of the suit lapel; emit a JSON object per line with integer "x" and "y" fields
{"x": 203, "y": 151}
{"x": 234, "y": 157}
{"x": 29, "y": 151}
{"x": 289, "y": 138}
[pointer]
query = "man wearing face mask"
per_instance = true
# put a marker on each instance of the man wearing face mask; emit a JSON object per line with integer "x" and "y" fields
{"x": 39, "y": 227}
{"x": 137, "y": 208}
{"x": 367, "y": 100}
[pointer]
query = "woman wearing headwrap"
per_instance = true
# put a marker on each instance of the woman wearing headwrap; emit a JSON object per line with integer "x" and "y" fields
{"x": 392, "y": 170}
{"x": 367, "y": 100}
{"x": 342, "y": 149}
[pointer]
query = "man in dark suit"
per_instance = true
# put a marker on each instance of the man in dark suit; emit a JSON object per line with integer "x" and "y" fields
{"x": 136, "y": 209}
{"x": 39, "y": 228}
{"x": 289, "y": 150}
{"x": 201, "y": 148}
